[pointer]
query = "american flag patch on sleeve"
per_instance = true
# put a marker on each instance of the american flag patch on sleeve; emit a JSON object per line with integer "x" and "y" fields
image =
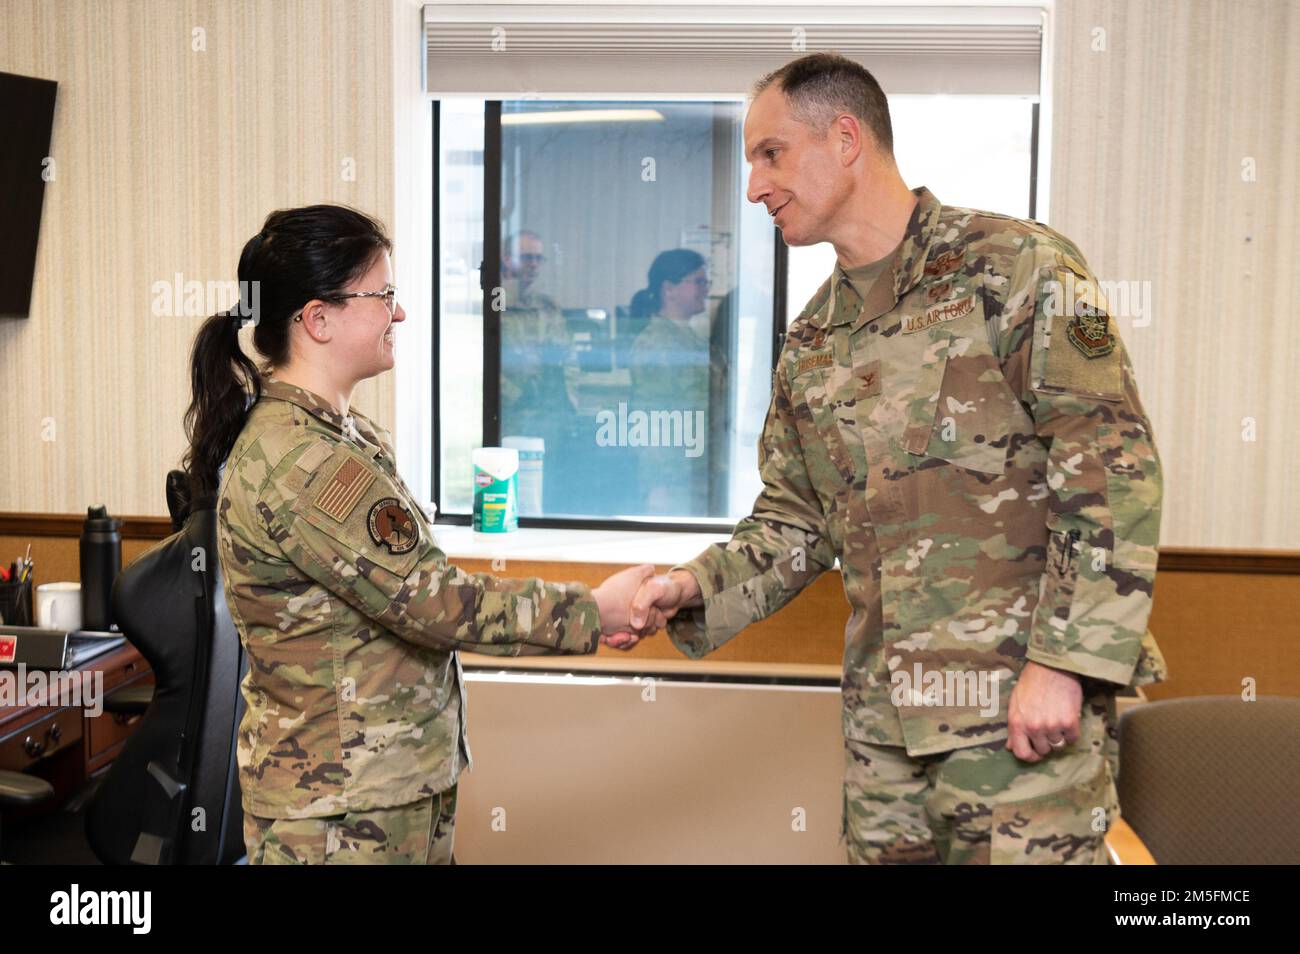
{"x": 344, "y": 488}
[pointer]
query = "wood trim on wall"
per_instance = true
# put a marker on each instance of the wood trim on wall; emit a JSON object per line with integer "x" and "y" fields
{"x": 70, "y": 524}
{"x": 1175, "y": 559}
{"x": 1209, "y": 560}
{"x": 1215, "y": 628}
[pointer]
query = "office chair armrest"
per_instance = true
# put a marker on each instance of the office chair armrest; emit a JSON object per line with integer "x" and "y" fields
{"x": 18, "y": 789}
{"x": 1125, "y": 847}
{"x": 129, "y": 700}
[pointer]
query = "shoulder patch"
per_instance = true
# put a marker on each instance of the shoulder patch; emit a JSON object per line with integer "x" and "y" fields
{"x": 1089, "y": 331}
{"x": 1091, "y": 363}
{"x": 391, "y": 525}
{"x": 344, "y": 487}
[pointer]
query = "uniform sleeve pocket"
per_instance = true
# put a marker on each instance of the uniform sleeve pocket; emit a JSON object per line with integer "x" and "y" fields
{"x": 1132, "y": 494}
{"x": 1056, "y": 601}
{"x": 355, "y": 517}
{"x": 1076, "y": 349}
{"x": 1066, "y": 826}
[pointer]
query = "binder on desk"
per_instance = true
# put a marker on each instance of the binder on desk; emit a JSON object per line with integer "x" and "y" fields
{"x": 52, "y": 648}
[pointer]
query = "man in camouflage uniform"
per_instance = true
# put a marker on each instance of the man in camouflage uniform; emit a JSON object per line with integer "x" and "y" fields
{"x": 958, "y": 424}
{"x": 536, "y": 374}
{"x": 354, "y": 732}
{"x": 539, "y": 372}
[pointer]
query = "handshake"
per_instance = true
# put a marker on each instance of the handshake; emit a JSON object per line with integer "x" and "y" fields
{"x": 635, "y": 603}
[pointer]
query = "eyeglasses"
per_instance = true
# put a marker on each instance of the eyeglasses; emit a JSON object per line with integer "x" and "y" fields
{"x": 388, "y": 294}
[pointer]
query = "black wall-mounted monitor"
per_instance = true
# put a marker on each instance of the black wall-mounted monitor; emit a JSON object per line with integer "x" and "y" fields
{"x": 26, "y": 122}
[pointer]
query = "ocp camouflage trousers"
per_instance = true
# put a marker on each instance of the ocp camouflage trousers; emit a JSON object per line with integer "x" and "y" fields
{"x": 982, "y": 805}
{"x": 420, "y": 832}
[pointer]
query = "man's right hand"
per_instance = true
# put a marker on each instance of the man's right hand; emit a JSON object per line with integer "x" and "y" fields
{"x": 666, "y": 593}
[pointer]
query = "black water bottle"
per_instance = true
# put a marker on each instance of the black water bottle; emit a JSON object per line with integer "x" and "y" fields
{"x": 101, "y": 559}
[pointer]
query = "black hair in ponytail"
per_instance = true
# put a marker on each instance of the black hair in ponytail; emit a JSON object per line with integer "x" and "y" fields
{"x": 670, "y": 266}
{"x": 299, "y": 255}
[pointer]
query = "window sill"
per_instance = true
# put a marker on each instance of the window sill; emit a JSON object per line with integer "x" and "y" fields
{"x": 615, "y": 547}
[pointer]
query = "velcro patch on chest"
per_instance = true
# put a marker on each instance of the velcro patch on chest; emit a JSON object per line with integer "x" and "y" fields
{"x": 812, "y": 362}
{"x": 945, "y": 311}
{"x": 937, "y": 291}
{"x": 343, "y": 489}
{"x": 871, "y": 379}
{"x": 945, "y": 263}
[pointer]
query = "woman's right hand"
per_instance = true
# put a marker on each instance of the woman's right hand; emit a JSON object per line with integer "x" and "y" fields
{"x": 614, "y": 599}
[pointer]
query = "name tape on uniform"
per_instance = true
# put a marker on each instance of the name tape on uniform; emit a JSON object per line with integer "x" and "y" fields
{"x": 814, "y": 361}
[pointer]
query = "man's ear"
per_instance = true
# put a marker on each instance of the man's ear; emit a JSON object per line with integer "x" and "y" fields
{"x": 853, "y": 138}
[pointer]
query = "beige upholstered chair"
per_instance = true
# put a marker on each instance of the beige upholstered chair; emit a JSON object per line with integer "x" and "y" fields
{"x": 1209, "y": 780}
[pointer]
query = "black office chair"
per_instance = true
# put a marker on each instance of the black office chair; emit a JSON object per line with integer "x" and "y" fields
{"x": 20, "y": 790}
{"x": 170, "y": 604}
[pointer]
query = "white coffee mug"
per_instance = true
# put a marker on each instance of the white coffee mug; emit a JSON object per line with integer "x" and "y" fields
{"x": 58, "y": 606}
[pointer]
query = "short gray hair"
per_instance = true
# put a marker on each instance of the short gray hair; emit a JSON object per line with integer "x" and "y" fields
{"x": 820, "y": 86}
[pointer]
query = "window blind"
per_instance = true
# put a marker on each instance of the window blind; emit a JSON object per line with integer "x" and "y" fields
{"x": 516, "y": 50}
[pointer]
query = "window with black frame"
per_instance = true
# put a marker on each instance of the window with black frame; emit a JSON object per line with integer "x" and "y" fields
{"x": 624, "y": 310}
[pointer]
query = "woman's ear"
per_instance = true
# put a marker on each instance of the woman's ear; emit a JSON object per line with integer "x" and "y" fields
{"x": 315, "y": 321}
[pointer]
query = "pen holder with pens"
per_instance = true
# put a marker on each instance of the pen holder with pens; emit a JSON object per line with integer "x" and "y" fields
{"x": 16, "y": 602}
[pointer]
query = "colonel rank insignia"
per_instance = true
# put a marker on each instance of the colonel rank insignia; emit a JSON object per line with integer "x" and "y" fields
{"x": 1089, "y": 330}
{"x": 391, "y": 524}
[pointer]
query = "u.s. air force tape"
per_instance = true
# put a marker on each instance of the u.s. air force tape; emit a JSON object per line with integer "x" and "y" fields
{"x": 391, "y": 525}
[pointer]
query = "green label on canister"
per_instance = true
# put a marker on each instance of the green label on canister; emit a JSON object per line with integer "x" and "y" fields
{"x": 495, "y": 502}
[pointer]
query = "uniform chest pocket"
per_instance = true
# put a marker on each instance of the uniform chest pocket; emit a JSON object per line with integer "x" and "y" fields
{"x": 961, "y": 409}
{"x": 826, "y": 402}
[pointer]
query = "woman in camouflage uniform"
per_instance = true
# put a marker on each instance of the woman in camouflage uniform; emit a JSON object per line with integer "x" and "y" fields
{"x": 671, "y": 376}
{"x": 354, "y": 733}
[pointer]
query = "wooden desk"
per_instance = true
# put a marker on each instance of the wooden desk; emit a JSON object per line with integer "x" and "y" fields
{"x": 67, "y": 745}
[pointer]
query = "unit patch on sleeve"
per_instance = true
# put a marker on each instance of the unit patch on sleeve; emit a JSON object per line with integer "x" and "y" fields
{"x": 392, "y": 525}
{"x": 1089, "y": 330}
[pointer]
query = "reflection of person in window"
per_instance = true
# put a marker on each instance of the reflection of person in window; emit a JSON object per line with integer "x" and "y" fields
{"x": 670, "y": 373}
{"x": 537, "y": 376}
